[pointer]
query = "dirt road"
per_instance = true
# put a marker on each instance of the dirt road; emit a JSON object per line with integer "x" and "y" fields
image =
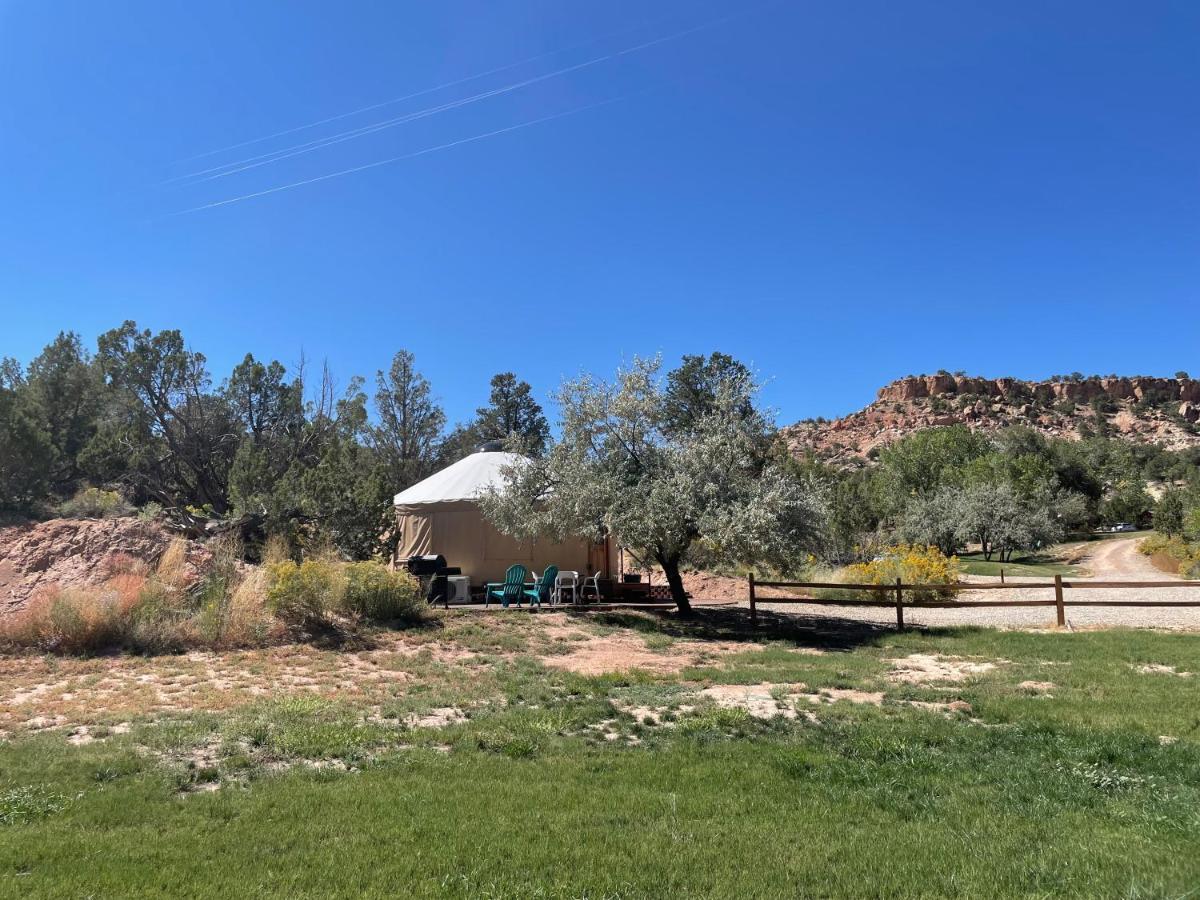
{"x": 1115, "y": 559}
{"x": 1118, "y": 559}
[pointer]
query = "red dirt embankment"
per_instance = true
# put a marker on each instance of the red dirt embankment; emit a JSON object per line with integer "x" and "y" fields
{"x": 75, "y": 553}
{"x": 1165, "y": 562}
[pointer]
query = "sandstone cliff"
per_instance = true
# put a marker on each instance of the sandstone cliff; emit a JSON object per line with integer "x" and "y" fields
{"x": 1163, "y": 411}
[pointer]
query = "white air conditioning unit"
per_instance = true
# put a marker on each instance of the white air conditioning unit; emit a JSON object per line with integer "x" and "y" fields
{"x": 458, "y": 589}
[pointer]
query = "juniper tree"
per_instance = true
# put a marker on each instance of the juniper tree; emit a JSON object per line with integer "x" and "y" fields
{"x": 410, "y": 422}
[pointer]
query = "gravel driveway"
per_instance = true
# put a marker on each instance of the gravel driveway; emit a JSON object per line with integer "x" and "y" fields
{"x": 1112, "y": 560}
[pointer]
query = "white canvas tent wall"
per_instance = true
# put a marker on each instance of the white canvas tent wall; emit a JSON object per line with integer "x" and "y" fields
{"x": 441, "y": 515}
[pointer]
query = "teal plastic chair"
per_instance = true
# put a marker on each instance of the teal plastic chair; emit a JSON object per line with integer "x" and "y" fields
{"x": 542, "y": 588}
{"x": 508, "y": 591}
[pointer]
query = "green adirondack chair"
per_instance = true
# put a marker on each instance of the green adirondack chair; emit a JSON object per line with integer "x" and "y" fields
{"x": 542, "y": 588}
{"x": 508, "y": 591}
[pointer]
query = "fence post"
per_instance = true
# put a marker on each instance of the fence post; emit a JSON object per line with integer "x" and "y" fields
{"x": 1060, "y": 610}
{"x": 1002, "y": 576}
{"x": 753, "y": 607}
{"x": 899, "y": 605}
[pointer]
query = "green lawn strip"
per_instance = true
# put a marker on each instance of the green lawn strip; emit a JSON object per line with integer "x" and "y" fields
{"x": 1022, "y": 566}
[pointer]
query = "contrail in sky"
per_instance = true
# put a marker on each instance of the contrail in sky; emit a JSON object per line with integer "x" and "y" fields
{"x": 421, "y": 93}
{"x": 253, "y": 162}
{"x": 404, "y": 156}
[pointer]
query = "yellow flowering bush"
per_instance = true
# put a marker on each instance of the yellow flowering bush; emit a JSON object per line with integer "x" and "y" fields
{"x": 912, "y": 564}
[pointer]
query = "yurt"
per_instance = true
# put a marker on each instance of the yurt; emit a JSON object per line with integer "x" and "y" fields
{"x": 441, "y": 515}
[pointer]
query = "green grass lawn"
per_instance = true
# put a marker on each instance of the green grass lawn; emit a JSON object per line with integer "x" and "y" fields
{"x": 1049, "y": 562}
{"x": 1023, "y": 565}
{"x": 552, "y": 787}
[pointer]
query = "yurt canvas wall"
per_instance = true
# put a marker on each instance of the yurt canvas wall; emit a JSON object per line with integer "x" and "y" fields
{"x": 439, "y": 515}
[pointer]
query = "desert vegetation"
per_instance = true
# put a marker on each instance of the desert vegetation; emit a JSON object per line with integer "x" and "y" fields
{"x": 1006, "y": 493}
{"x": 267, "y": 451}
{"x": 228, "y": 604}
{"x": 683, "y": 467}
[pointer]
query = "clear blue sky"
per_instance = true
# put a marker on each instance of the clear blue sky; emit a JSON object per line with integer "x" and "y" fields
{"x": 838, "y": 193}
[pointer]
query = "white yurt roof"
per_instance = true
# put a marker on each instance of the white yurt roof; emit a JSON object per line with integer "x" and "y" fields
{"x": 464, "y": 480}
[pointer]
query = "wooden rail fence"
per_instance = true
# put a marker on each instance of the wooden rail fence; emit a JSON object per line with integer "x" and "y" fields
{"x": 892, "y": 595}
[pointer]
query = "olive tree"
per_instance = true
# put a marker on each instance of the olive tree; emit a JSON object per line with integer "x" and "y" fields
{"x": 933, "y": 520}
{"x": 623, "y": 468}
{"x": 994, "y": 514}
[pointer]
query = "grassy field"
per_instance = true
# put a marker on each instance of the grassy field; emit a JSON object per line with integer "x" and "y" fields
{"x": 556, "y": 756}
{"x": 1023, "y": 565}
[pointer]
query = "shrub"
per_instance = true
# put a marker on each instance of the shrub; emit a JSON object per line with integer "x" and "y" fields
{"x": 305, "y": 594}
{"x": 212, "y": 593}
{"x": 277, "y": 549}
{"x": 376, "y": 593}
{"x": 71, "y": 621}
{"x": 912, "y": 564}
{"x": 1174, "y": 547}
{"x": 94, "y": 503}
{"x": 249, "y": 622}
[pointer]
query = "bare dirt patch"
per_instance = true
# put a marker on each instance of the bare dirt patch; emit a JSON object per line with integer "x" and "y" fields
{"x": 850, "y": 695}
{"x": 924, "y": 668}
{"x": 768, "y": 701}
{"x": 763, "y": 701}
{"x": 1160, "y": 669}
{"x": 626, "y": 652}
{"x": 655, "y": 715}
{"x": 42, "y": 692}
{"x": 710, "y": 588}
{"x": 436, "y": 718}
{"x": 1039, "y": 686}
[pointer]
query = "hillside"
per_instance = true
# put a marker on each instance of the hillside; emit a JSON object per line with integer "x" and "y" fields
{"x": 79, "y": 553}
{"x": 1162, "y": 411}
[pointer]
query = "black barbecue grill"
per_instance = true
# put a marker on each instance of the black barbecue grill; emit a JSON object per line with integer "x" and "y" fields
{"x": 432, "y": 570}
{"x": 424, "y": 566}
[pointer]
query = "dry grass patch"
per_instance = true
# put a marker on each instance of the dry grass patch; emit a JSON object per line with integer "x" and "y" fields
{"x": 924, "y": 668}
{"x": 1160, "y": 669}
{"x": 44, "y": 691}
{"x": 1037, "y": 686}
{"x": 762, "y": 701}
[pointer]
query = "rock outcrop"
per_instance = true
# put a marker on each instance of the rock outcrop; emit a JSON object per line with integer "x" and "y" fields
{"x": 73, "y": 553}
{"x": 1081, "y": 390}
{"x": 1141, "y": 409}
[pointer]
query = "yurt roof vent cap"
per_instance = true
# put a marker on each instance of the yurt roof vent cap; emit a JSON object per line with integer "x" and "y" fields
{"x": 492, "y": 446}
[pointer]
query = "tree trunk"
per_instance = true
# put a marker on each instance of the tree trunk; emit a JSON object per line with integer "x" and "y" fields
{"x": 670, "y": 568}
